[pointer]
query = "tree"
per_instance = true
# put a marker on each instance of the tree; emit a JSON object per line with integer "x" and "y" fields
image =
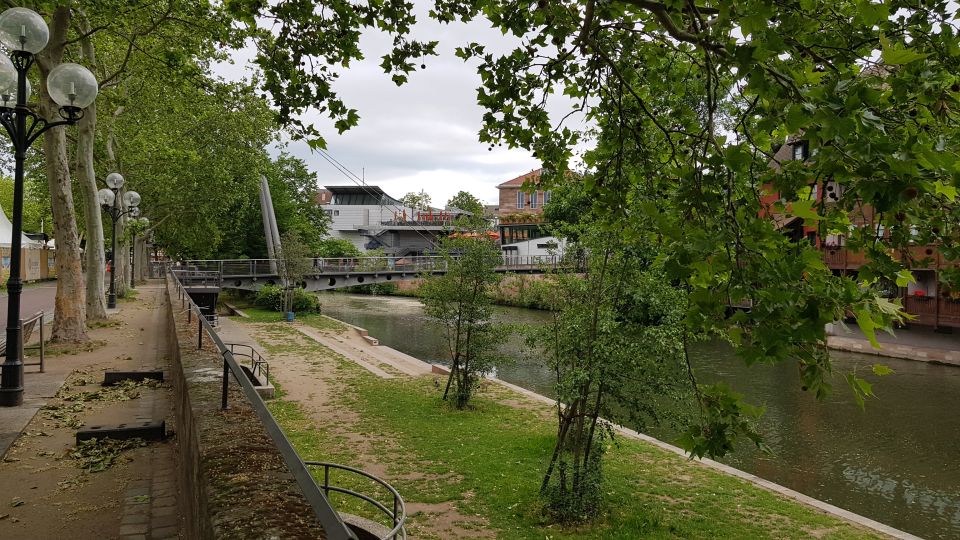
{"x": 460, "y": 301}
{"x": 463, "y": 200}
{"x": 689, "y": 99}
{"x": 615, "y": 344}
{"x": 295, "y": 263}
{"x": 417, "y": 201}
{"x": 69, "y": 323}
{"x": 333, "y": 248}
{"x": 466, "y": 201}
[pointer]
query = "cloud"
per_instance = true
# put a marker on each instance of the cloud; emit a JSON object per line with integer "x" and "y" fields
{"x": 422, "y": 135}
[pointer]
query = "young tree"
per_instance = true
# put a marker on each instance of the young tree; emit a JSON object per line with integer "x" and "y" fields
{"x": 294, "y": 265}
{"x": 615, "y": 345}
{"x": 460, "y": 301}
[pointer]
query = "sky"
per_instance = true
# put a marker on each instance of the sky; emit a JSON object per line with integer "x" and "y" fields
{"x": 422, "y": 135}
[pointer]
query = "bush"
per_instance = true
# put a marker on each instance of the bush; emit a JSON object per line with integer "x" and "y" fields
{"x": 375, "y": 289}
{"x": 271, "y": 297}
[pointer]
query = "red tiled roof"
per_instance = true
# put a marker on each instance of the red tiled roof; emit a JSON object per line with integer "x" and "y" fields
{"x": 518, "y": 181}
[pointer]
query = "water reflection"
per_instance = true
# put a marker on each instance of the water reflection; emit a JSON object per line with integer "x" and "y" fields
{"x": 895, "y": 462}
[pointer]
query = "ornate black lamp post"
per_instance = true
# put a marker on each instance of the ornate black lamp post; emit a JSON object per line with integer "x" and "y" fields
{"x": 72, "y": 87}
{"x": 133, "y": 255}
{"x": 111, "y": 204}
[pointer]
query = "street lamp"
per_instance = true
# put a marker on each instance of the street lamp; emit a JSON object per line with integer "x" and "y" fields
{"x": 73, "y": 88}
{"x": 111, "y": 204}
{"x": 144, "y": 222}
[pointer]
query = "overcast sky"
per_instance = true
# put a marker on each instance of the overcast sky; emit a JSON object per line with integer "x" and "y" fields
{"x": 422, "y": 135}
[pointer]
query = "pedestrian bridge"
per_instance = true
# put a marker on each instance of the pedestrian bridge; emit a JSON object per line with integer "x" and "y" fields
{"x": 336, "y": 273}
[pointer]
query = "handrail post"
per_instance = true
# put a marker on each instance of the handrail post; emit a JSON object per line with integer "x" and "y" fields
{"x": 326, "y": 480}
{"x": 394, "y": 516}
{"x": 189, "y": 315}
{"x": 41, "y": 342}
{"x": 199, "y": 330}
{"x": 226, "y": 381}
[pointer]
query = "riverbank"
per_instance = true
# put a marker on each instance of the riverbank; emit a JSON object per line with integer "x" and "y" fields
{"x": 478, "y": 471}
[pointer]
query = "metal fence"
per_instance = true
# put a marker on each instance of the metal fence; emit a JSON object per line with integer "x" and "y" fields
{"x": 240, "y": 268}
{"x": 331, "y": 521}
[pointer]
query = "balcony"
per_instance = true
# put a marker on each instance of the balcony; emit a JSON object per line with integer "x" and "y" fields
{"x": 923, "y": 257}
{"x": 933, "y": 311}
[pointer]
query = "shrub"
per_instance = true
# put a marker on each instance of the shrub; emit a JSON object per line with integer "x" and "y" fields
{"x": 271, "y": 297}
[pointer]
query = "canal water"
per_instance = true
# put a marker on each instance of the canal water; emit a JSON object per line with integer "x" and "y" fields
{"x": 897, "y": 462}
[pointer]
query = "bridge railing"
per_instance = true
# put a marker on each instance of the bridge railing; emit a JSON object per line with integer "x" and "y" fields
{"x": 348, "y": 265}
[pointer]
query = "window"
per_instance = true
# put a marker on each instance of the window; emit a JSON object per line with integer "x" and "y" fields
{"x": 519, "y": 199}
{"x": 533, "y": 200}
{"x": 546, "y": 197}
{"x": 800, "y": 150}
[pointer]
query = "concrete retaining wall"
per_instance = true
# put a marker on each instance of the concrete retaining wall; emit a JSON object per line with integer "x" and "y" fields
{"x": 233, "y": 481}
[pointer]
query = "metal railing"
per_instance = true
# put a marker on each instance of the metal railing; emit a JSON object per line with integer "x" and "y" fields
{"x": 239, "y": 268}
{"x": 397, "y": 517}
{"x": 259, "y": 367}
{"x": 190, "y": 276}
{"x": 332, "y": 523}
{"x": 26, "y": 330}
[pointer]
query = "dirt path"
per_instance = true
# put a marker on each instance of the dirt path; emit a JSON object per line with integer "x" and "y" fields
{"x": 307, "y": 373}
{"x": 47, "y": 493}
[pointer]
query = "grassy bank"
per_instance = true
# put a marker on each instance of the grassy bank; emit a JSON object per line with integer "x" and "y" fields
{"x": 488, "y": 462}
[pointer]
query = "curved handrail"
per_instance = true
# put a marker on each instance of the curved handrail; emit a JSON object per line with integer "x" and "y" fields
{"x": 399, "y": 514}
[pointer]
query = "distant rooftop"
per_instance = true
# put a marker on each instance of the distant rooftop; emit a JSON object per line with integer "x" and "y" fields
{"x": 360, "y": 195}
{"x": 518, "y": 181}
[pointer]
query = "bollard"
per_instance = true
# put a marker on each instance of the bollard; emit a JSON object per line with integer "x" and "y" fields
{"x": 226, "y": 374}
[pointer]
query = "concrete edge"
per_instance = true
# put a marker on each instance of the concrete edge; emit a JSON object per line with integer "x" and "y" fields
{"x": 235, "y": 310}
{"x": 889, "y": 350}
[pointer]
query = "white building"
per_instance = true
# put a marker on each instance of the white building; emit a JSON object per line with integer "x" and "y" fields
{"x": 371, "y": 219}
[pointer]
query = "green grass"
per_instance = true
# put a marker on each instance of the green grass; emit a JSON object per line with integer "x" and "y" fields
{"x": 497, "y": 454}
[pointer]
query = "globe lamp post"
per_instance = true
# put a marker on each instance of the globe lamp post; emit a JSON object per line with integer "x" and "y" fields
{"x": 71, "y": 86}
{"x": 110, "y": 203}
{"x": 144, "y": 222}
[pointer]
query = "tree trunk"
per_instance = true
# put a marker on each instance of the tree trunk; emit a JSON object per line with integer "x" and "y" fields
{"x": 94, "y": 255}
{"x": 87, "y": 179}
{"x": 69, "y": 307}
{"x": 122, "y": 256}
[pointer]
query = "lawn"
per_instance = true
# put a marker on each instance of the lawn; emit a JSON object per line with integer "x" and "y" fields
{"x": 490, "y": 461}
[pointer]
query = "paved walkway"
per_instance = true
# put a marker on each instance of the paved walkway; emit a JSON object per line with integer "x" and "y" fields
{"x": 136, "y": 498}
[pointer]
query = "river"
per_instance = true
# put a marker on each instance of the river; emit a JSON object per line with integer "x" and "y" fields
{"x": 896, "y": 462}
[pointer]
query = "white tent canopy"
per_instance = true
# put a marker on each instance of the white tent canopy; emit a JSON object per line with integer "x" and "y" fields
{"x": 6, "y": 233}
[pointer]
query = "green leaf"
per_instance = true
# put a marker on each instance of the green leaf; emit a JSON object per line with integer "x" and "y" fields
{"x": 894, "y": 55}
{"x": 946, "y": 190}
{"x": 880, "y": 369}
{"x": 804, "y": 209}
{"x": 904, "y": 278}
{"x": 867, "y": 325}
